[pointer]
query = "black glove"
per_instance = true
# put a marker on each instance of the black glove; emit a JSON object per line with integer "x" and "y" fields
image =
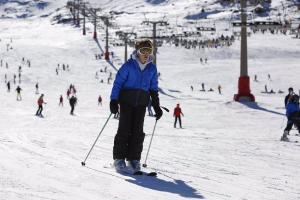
{"x": 114, "y": 107}
{"x": 154, "y": 98}
{"x": 155, "y": 104}
{"x": 158, "y": 112}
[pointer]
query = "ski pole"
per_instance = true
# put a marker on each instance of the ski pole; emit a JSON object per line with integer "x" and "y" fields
{"x": 145, "y": 165}
{"x": 83, "y": 163}
{"x": 166, "y": 109}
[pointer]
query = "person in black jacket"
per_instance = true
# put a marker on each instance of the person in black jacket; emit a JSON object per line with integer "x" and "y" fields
{"x": 73, "y": 102}
{"x": 136, "y": 81}
{"x": 19, "y": 98}
{"x": 288, "y": 96}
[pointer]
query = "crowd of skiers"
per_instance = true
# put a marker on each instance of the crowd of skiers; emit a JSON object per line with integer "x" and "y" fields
{"x": 219, "y": 87}
{"x": 222, "y": 41}
{"x": 64, "y": 67}
{"x": 105, "y": 71}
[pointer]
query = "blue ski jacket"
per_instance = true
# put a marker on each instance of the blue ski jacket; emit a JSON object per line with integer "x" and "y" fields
{"x": 291, "y": 107}
{"x": 132, "y": 85}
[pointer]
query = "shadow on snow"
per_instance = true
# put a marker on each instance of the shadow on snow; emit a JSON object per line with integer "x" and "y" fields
{"x": 177, "y": 186}
{"x": 255, "y": 106}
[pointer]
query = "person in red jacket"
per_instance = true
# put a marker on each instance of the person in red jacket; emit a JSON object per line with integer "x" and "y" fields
{"x": 177, "y": 114}
{"x": 40, "y": 104}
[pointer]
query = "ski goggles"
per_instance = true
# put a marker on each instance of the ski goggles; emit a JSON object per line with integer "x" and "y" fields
{"x": 145, "y": 51}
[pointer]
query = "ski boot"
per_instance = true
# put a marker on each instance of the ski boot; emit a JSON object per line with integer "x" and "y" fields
{"x": 119, "y": 165}
{"x": 135, "y": 165}
{"x": 284, "y": 136}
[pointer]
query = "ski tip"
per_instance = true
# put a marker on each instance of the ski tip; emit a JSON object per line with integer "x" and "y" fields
{"x": 152, "y": 174}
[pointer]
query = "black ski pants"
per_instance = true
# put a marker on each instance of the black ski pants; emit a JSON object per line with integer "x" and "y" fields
{"x": 39, "y": 111}
{"x": 72, "y": 109}
{"x": 128, "y": 143}
{"x": 293, "y": 119}
{"x": 179, "y": 119}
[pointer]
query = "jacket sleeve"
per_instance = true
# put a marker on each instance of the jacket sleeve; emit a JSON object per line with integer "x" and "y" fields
{"x": 154, "y": 81}
{"x": 121, "y": 78}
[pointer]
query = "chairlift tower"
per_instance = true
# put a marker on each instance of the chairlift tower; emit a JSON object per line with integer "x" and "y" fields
{"x": 93, "y": 12}
{"x": 125, "y": 37}
{"x": 244, "y": 93}
{"x": 154, "y": 37}
{"x": 105, "y": 19}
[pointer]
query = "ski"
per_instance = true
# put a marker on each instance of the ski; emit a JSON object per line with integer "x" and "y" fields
{"x": 139, "y": 173}
{"x": 129, "y": 171}
{"x": 295, "y": 141}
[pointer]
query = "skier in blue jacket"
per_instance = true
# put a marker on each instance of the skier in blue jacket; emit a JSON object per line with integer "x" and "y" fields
{"x": 293, "y": 115}
{"x": 136, "y": 81}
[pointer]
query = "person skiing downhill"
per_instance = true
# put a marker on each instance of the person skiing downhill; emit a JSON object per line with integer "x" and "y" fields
{"x": 293, "y": 115}
{"x": 19, "y": 98}
{"x": 177, "y": 114}
{"x": 135, "y": 82}
{"x": 8, "y": 86}
{"x": 73, "y": 102}
{"x": 61, "y": 100}
{"x": 288, "y": 96}
{"x": 40, "y": 103}
{"x": 99, "y": 100}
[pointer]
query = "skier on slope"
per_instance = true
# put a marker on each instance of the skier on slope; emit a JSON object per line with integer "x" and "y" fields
{"x": 19, "y": 98}
{"x": 293, "y": 115}
{"x": 73, "y": 102}
{"x": 177, "y": 114}
{"x": 40, "y": 103}
{"x": 99, "y": 100}
{"x": 288, "y": 96}
{"x": 136, "y": 81}
{"x": 61, "y": 101}
{"x": 8, "y": 86}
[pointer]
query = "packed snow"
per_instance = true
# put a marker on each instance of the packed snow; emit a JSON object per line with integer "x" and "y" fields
{"x": 226, "y": 149}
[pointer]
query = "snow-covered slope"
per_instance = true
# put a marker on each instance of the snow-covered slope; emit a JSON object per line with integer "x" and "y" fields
{"x": 29, "y": 8}
{"x": 226, "y": 150}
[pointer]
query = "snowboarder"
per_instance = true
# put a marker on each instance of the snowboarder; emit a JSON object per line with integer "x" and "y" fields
{"x": 18, "y": 89}
{"x": 73, "y": 102}
{"x": 132, "y": 93}
{"x": 61, "y": 101}
{"x": 99, "y": 100}
{"x": 40, "y": 103}
{"x": 293, "y": 115}
{"x": 177, "y": 114}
